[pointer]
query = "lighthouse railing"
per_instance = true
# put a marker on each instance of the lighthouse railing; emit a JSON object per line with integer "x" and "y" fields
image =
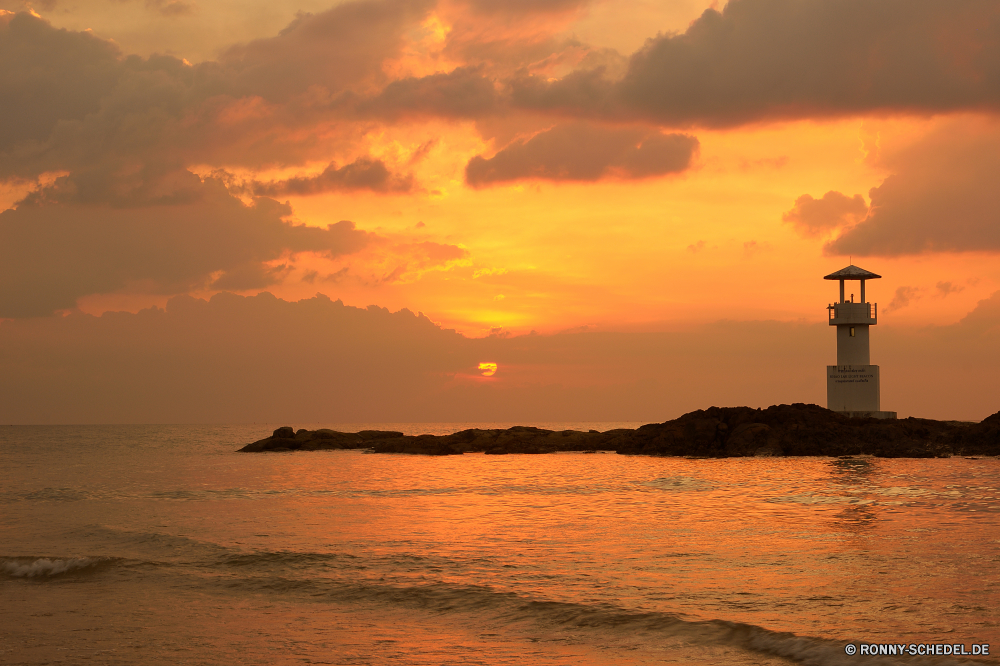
{"x": 849, "y": 311}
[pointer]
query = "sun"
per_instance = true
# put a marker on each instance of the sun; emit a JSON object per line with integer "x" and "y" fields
{"x": 489, "y": 369}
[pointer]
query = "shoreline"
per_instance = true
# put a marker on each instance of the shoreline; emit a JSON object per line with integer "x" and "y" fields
{"x": 717, "y": 432}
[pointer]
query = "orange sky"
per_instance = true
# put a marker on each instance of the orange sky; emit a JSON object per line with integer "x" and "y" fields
{"x": 506, "y": 167}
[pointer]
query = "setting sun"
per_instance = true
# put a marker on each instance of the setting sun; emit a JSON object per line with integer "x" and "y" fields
{"x": 489, "y": 369}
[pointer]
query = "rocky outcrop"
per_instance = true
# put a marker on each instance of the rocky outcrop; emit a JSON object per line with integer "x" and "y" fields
{"x": 810, "y": 430}
{"x": 716, "y": 432}
{"x": 519, "y": 439}
{"x": 286, "y": 439}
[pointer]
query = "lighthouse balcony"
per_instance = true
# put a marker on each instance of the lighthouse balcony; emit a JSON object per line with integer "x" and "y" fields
{"x": 853, "y": 313}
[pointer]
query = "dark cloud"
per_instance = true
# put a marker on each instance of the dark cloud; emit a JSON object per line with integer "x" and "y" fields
{"x": 817, "y": 217}
{"x": 249, "y": 276}
{"x": 339, "y": 49}
{"x": 942, "y": 197}
{"x": 112, "y": 183}
{"x": 126, "y": 213}
{"x": 765, "y": 59}
{"x": 240, "y": 359}
{"x": 74, "y": 103}
{"x": 761, "y": 60}
{"x": 49, "y": 75}
{"x": 51, "y": 253}
{"x": 362, "y": 174}
{"x": 584, "y": 93}
{"x": 231, "y": 357}
{"x": 462, "y": 93}
{"x": 585, "y": 152}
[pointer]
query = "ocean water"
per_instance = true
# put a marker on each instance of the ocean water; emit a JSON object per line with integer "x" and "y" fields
{"x": 161, "y": 545}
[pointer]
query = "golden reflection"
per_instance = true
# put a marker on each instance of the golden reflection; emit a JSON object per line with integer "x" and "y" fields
{"x": 853, "y": 470}
{"x": 855, "y": 476}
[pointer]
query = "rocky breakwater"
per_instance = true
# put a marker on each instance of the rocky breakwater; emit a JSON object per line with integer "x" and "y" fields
{"x": 519, "y": 439}
{"x": 716, "y": 432}
{"x": 810, "y": 430}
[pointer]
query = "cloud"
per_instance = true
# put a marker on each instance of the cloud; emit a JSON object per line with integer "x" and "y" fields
{"x": 521, "y": 7}
{"x": 752, "y": 248}
{"x": 462, "y": 93}
{"x": 361, "y": 174}
{"x": 49, "y": 75}
{"x": 984, "y": 318}
{"x": 584, "y": 152}
{"x": 818, "y": 217}
{"x": 203, "y": 360}
{"x": 902, "y": 298}
{"x": 505, "y": 37}
{"x": 171, "y": 8}
{"x": 768, "y": 59}
{"x": 340, "y": 49}
{"x": 53, "y": 253}
{"x": 941, "y": 197}
{"x": 252, "y": 275}
{"x": 430, "y": 253}
{"x": 945, "y": 289}
{"x": 75, "y": 103}
{"x": 126, "y": 213}
{"x": 586, "y": 93}
{"x": 405, "y": 262}
{"x": 336, "y": 363}
{"x": 765, "y": 60}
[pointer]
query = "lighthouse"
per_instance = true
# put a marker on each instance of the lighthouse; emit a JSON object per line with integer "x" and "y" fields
{"x": 852, "y": 386}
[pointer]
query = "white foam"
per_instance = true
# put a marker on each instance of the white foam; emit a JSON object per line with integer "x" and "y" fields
{"x": 44, "y": 566}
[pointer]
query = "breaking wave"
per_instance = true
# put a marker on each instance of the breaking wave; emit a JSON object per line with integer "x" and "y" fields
{"x": 44, "y": 567}
{"x": 513, "y": 609}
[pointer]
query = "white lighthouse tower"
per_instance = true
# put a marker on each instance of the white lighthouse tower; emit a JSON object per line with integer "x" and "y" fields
{"x": 852, "y": 386}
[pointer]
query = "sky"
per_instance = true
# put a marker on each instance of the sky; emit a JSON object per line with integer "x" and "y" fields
{"x": 323, "y": 211}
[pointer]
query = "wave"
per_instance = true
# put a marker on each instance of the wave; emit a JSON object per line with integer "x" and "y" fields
{"x": 45, "y": 495}
{"x": 514, "y": 610}
{"x": 44, "y": 567}
{"x": 340, "y": 578}
{"x": 293, "y": 559}
{"x": 678, "y": 483}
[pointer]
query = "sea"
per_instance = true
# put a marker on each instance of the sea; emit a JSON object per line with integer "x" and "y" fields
{"x": 150, "y": 545}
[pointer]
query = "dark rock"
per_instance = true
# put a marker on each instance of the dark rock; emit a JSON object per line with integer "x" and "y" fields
{"x": 716, "y": 432}
{"x": 809, "y": 430}
{"x": 378, "y": 434}
{"x": 428, "y": 445}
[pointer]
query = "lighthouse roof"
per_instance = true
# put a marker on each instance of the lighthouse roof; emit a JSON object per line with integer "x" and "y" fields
{"x": 852, "y": 272}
